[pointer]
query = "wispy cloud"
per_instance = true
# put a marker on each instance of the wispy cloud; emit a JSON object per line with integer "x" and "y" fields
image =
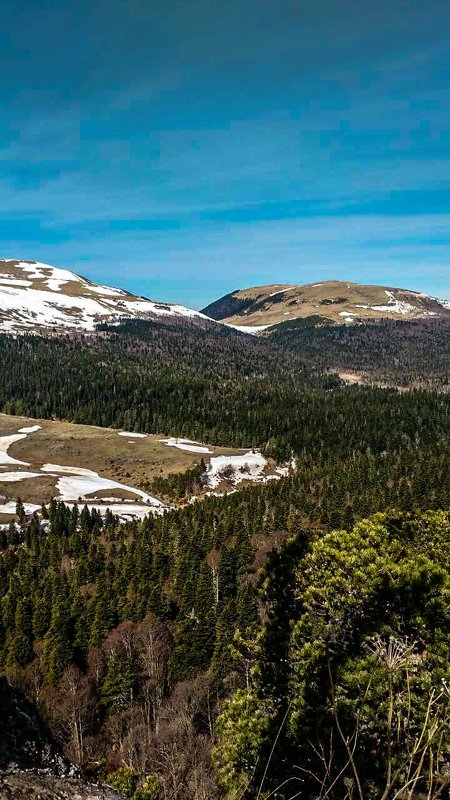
{"x": 223, "y": 146}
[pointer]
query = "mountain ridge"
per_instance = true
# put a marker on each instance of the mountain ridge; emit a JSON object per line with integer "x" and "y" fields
{"x": 37, "y": 297}
{"x": 256, "y": 309}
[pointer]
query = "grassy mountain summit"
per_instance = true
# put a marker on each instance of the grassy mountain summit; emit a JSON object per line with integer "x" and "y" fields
{"x": 330, "y": 301}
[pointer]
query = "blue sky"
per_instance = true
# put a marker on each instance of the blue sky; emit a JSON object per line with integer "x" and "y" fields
{"x": 186, "y": 148}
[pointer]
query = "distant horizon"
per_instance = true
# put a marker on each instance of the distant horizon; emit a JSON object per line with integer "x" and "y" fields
{"x": 198, "y": 306}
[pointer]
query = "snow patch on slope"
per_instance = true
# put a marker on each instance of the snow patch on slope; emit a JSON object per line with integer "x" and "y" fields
{"x": 37, "y": 296}
{"x": 30, "y": 429}
{"x": 347, "y": 316}
{"x": 13, "y": 477}
{"x": 395, "y": 306}
{"x": 235, "y": 469}
{"x": 131, "y": 435}
{"x": 253, "y": 329}
{"x": 74, "y": 484}
{"x": 78, "y": 483}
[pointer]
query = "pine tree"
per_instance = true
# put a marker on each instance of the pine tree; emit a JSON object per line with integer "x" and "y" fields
{"x": 21, "y": 643}
{"x": 58, "y": 644}
{"x": 117, "y": 688}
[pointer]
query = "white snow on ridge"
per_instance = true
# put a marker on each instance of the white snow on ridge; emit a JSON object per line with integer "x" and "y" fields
{"x": 187, "y": 445}
{"x": 39, "y": 300}
{"x": 254, "y": 329}
{"x": 33, "y": 308}
{"x": 107, "y": 291}
{"x": 142, "y": 306}
{"x": 57, "y": 278}
{"x": 398, "y": 307}
{"x": 395, "y": 306}
{"x": 14, "y": 282}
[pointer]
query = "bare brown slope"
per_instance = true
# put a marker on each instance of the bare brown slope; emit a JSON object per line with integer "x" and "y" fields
{"x": 336, "y": 301}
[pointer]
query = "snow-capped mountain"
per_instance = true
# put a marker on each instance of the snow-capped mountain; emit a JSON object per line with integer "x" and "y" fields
{"x": 258, "y": 309}
{"x": 42, "y": 298}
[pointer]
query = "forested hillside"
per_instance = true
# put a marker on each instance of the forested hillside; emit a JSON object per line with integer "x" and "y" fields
{"x": 130, "y": 638}
{"x": 225, "y": 533}
{"x": 413, "y": 353}
{"x": 223, "y": 388}
{"x": 348, "y": 690}
{"x": 207, "y": 383}
{"x": 172, "y": 656}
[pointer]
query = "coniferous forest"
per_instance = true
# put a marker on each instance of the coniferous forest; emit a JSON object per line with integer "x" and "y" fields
{"x": 288, "y": 640}
{"x": 389, "y": 352}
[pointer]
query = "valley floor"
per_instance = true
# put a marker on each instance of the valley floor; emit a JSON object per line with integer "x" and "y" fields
{"x": 105, "y": 468}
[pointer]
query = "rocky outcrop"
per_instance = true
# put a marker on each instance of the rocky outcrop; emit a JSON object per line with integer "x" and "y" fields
{"x": 32, "y": 766}
{"x": 36, "y": 786}
{"x": 25, "y": 741}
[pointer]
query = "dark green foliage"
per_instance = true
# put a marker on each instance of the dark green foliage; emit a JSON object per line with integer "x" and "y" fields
{"x": 179, "y": 485}
{"x": 209, "y": 383}
{"x": 115, "y": 628}
{"x": 396, "y": 353}
{"x": 239, "y": 397}
{"x": 227, "y": 306}
{"x": 278, "y": 332}
{"x": 355, "y": 655}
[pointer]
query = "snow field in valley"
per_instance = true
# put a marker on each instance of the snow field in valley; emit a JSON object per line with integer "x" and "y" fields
{"x": 235, "y": 469}
{"x": 129, "y": 435}
{"x": 187, "y": 445}
{"x": 78, "y": 485}
{"x": 251, "y": 466}
{"x": 30, "y": 429}
{"x": 74, "y": 484}
{"x": 5, "y": 444}
{"x": 77, "y": 482}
